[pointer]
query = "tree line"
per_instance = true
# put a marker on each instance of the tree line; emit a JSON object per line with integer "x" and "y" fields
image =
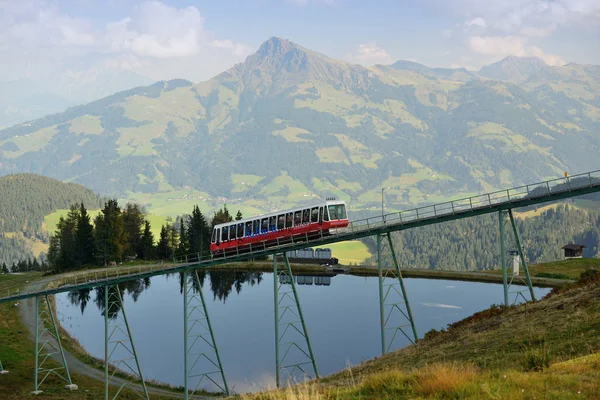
{"x": 29, "y": 265}
{"x": 118, "y": 235}
{"x": 474, "y": 243}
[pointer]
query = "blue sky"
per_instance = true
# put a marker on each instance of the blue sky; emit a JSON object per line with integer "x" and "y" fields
{"x": 198, "y": 39}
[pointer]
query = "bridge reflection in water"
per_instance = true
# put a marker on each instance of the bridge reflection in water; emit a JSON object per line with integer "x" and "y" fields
{"x": 318, "y": 280}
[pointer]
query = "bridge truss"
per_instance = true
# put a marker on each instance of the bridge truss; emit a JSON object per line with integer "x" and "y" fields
{"x": 500, "y": 202}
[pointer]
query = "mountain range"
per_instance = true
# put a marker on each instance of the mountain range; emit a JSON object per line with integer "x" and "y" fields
{"x": 290, "y": 125}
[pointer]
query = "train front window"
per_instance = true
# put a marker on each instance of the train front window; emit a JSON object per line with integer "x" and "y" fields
{"x": 337, "y": 211}
{"x": 214, "y": 236}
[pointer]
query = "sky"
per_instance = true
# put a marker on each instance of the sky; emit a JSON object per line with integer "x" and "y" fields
{"x": 195, "y": 40}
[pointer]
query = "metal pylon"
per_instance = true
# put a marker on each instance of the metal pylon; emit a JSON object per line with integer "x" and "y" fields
{"x": 293, "y": 340}
{"x": 507, "y": 283}
{"x": 199, "y": 340}
{"x": 394, "y": 308}
{"x": 48, "y": 346}
{"x": 117, "y": 336}
{"x": 2, "y": 370}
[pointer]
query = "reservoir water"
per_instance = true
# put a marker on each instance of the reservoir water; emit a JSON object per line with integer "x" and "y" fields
{"x": 341, "y": 313}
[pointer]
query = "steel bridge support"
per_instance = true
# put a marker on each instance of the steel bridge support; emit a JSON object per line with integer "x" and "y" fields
{"x": 47, "y": 347}
{"x": 507, "y": 283}
{"x": 117, "y": 337}
{"x": 402, "y": 306}
{"x": 199, "y": 340}
{"x": 291, "y": 335}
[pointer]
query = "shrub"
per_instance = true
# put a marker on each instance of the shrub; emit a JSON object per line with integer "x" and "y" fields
{"x": 589, "y": 276}
{"x": 537, "y": 359}
{"x": 551, "y": 275}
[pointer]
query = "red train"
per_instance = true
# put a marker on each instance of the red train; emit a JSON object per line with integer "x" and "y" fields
{"x": 280, "y": 227}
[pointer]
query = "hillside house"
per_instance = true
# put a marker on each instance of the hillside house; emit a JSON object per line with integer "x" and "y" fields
{"x": 573, "y": 250}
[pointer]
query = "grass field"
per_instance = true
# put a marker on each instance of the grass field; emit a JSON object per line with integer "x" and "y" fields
{"x": 569, "y": 268}
{"x": 351, "y": 252}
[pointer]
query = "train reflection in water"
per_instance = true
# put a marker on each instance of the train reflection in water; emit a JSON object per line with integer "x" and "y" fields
{"x": 318, "y": 280}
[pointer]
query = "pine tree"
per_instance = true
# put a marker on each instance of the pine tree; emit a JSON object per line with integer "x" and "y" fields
{"x": 133, "y": 222}
{"x": 198, "y": 233}
{"x": 163, "y": 243}
{"x": 111, "y": 238}
{"x": 238, "y": 216}
{"x": 184, "y": 247}
{"x": 84, "y": 238}
{"x": 221, "y": 216}
{"x": 4, "y": 268}
{"x": 147, "y": 244}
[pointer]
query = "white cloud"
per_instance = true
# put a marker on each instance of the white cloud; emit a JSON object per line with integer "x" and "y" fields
{"x": 369, "y": 54}
{"x": 240, "y": 50}
{"x": 496, "y": 45}
{"x": 447, "y": 33}
{"x": 543, "y": 31}
{"x": 479, "y": 21}
{"x": 38, "y": 39}
{"x": 502, "y": 46}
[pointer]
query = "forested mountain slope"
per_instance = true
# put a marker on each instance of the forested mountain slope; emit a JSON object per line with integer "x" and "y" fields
{"x": 474, "y": 243}
{"x": 290, "y": 125}
{"x": 24, "y": 201}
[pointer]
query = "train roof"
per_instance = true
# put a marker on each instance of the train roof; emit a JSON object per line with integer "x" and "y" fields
{"x": 276, "y": 213}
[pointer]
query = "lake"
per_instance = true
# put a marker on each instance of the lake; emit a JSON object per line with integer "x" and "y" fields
{"x": 341, "y": 314}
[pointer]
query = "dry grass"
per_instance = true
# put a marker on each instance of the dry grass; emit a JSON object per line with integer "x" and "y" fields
{"x": 549, "y": 349}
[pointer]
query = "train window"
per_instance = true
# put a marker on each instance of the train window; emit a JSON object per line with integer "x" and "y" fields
{"x": 289, "y": 217}
{"x": 281, "y": 221}
{"x": 240, "y": 231}
{"x": 297, "y": 218}
{"x": 306, "y": 216}
{"x": 256, "y": 226}
{"x": 214, "y": 236}
{"x": 272, "y": 223}
{"x": 265, "y": 225}
{"x": 218, "y": 235}
{"x": 248, "y": 228}
{"x": 325, "y": 215}
{"x": 224, "y": 233}
{"x": 314, "y": 214}
{"x": 232, "y": 232}
{"x": 337, "y": 211}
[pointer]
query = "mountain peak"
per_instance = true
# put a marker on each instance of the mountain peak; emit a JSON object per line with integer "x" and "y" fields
{"x": 276, "y": 46}
{"x": 513, "y": 68}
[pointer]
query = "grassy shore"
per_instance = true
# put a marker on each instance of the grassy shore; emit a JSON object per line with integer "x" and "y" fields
{"x": 543, "y": 350}
{"x": 17, "y": 357}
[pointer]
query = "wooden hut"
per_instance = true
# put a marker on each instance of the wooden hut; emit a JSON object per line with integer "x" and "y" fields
{"x": 573, "y": 250}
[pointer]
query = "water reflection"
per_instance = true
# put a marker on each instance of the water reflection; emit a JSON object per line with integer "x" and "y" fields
{"x": 221, "y": 284}
{"x": 341, "y": 314}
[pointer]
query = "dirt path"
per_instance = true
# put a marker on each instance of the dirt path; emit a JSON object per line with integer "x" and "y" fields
{"x": 27, "y": 312}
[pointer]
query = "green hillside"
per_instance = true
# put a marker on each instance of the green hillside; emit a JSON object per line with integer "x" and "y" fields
{"x": 25, "y": 201}
{"x": 474, "y": 243}
{"x": 290, "y": 125}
